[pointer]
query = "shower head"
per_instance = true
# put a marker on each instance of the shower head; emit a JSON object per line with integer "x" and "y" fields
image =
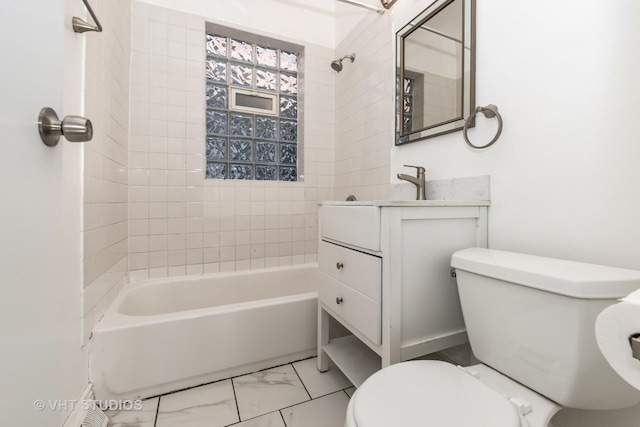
{"x": 337, "y": 64}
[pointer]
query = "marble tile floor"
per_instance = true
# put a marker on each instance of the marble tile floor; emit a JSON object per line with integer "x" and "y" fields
{"x": 292, "y": 395}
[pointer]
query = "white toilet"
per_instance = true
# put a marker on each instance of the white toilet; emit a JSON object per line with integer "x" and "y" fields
{"x": 530, "y": 322}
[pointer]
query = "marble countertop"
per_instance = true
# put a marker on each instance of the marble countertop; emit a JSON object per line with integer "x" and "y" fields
{"x": 408, "y": 203}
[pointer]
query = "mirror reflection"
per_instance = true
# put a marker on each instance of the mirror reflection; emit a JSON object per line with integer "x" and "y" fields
{"x": 435, "y": 67}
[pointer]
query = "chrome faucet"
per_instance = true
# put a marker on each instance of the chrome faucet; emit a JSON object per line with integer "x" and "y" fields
{"x": 418, "y": 181}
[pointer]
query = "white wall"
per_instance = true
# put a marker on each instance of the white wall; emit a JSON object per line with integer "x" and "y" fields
{"x": 304, "y": 20}
{"x": 347, "y": 17}
{"x": 40, "y": 272}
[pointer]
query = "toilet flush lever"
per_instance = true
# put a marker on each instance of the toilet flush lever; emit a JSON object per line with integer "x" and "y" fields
{"x": 73, "y": 128}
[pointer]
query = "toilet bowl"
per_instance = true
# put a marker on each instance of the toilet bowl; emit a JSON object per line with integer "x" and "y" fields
{"x": 440, "y": 394}
{"x": 530, "y": 320}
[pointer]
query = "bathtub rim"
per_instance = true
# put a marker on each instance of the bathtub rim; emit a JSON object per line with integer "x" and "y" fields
{"x": 114, "y": 320}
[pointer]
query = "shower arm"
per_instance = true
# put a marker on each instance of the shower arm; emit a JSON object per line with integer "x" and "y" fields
{"x": 81, "y": 26}
{"x": 386, "y": 4}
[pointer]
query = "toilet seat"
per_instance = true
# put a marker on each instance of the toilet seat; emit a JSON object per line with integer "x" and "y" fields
{"x": 429, "y": 393}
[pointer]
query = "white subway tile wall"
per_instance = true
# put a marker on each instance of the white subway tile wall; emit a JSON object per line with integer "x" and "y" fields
{"x": 180, "y": 223}
{"x": 106, "y": 160}
{"x": 364, "y": 111}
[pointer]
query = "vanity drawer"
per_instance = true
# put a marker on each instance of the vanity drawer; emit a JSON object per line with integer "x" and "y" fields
{"x": 360, "y": 271}
{"x": 353, "y": 225}
{"x": 358, "y": 310}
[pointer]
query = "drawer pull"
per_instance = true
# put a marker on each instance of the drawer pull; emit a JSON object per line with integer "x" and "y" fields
{"x": 339, "y": 265}
{"x": 339, "y": 300}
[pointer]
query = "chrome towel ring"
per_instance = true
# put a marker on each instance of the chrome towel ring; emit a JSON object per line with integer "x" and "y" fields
{"x": 489, "y": 111}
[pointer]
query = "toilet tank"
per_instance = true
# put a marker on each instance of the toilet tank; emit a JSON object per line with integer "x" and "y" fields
{"x": 533, "y": 319}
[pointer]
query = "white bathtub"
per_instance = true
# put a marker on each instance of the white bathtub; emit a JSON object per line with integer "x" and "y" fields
{"x": 167, "y": 334}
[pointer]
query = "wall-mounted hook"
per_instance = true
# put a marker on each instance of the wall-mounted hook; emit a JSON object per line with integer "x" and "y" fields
{"x": 81, "y": 26}
{"x": 73, "y": 128}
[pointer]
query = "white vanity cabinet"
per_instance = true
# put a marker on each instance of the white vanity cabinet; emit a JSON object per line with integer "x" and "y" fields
{"x": 385, "y": 276}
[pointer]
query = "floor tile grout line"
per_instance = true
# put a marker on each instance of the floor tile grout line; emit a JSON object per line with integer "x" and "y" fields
{"x": 240, "y": 420}
{"x": 306, "y": 401}
{"x": 301, "y": 382}
{"x": 159, "y": 396}
{"x": 192, "y": 387}
{"x": 282, "y": 416}
{"x": 333, "y": 392}
{"x": 252, "y": 418}
{"x": 155, "y": 420}
{"x": 235, "y": 398}
{"x": 229, "y": 378}
{"x": 267, "y": 369}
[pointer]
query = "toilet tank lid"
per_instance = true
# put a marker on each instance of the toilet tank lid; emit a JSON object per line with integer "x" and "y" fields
{"x": 571, "y": 278}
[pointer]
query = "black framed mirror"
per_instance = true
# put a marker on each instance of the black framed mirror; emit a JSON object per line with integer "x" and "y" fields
{"x": 435, "y": 79}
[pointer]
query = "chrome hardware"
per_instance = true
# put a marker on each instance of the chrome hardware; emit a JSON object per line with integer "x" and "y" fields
{"x": 351, "y": 198}
{"x": 364, "y": 6}
{"x": 337, "y": 64}
{"x": 453, "y": 273}
{"x": 386, "y": 4}
{"x": 339, "y": 300}
{"x": 634, "y": 340}
{"x": 339, "y": 265}
{"x": 489, "y": 111}
{"x": 418, "y": 181}
{"x": 81, "y": 26}
{"x": 73, "y": 128}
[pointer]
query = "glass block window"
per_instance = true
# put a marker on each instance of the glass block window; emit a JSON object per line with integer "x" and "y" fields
{"x": 246, "y": 145}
